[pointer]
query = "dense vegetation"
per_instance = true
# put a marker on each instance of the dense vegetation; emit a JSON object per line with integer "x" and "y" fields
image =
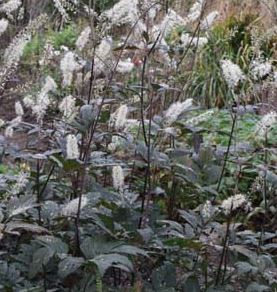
{"x": 138, "y": 146}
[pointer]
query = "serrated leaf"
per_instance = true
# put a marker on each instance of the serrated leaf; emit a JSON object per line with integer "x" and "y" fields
{"x": 92, "y": 247}
{"x": 191, "y": 285}
{"x": 244, "y": 268}
{"x": 17, "y": 225}
{"x": 20, "y": 205}
{"x": 105, "y": 261}
{"x": 40, "y": 258}
{"x": 164, "y": 277}
{"x": 87, "y": 113}
{"x": 265, "y": 262}
{"x": 189, "y": 217}
{"x": 256, "y": 287}
{"x": 173, "y": 225}
{"x": 130, "y": 250}
{"x": 69, "y": 266}
{"x": 55, "y": 244}
{"x": 252, "y": 256}
{"x": 146, "y": 234}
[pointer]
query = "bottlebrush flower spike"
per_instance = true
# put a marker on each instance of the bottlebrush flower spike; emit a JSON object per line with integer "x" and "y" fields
{"x": 68, "y": 108}
{"x": 3, "y": 25}
{"x": 83, "y": 38}
{"x": 118, "y": 118}
{"x": 18, "y": 109}
{"x": 176, "y": 109}
{"x": 231, "y": 73}
{"x": 265, "y": 124}
{"x": 68, "y": 65}
{"x": 118, "y": 178}
{"x": 72, "y": 149}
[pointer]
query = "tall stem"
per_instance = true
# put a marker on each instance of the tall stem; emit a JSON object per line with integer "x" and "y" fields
{"x": 265, "y": 171}
{"x": 147, "y": 140}
{"x": 38, "y": 191}
{"x": 224, "y": 251}
{"x": 227, "y": 153}
{"x": 264, "y": 191}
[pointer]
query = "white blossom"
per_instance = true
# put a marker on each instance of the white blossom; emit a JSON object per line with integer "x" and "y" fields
{"x": 200, "y": 118}
{"x": 176, "y": 109}
{"x": 18, "y": 109}
{"x": 235, "y": 202}
{"x": 208, "y": 21}
{"x": 125, "y": 66}
{"x": 275, "y": 76}
{"x": 151, "y": 7}
{"x": 170, "y": 21}
{"x": 116, "y": 142}
{"x": 42, "y": 101}
{"x": 72, "y": 149}
{"x": 12, "y": 124}
{"x": 50, "y": 84}
{"x": 159, "y": 31}
{"x": 28, "y": 101}
{"x": 171, "y": 131}
{"x": 41, "y": 105}
{"x": 208, "y": 210}
{"x": 71, "y": 208}
{"x": 59, "y": 5}
{"x": 83, "y": 38}
{"x": 21, "y": 13}
{"x": 195, "y": 11}
{"x": 131, "y": 124}
{"x": 260, "y": 69}
{"x": 90, "y": 11}
{"x": 187, "y": 40}
{"x": 9, "y": 131}
{"x": 48, "y": 54}
{"x": 3, "y": 25}
{"x": 123, "y": 12}
{"x": 118, "y": 118}
{"x": 12, "y": 55}
{"x": 104, "y": 49}
{"x": 265, "y": 124}
{"x": 68, "y": 107}
{"x": 76, "y": 2}
{"x": 2, "y": 123}
{"x": 231, "y": 73}
{"x": 162, "y": 47}
{"x": 103, "y": 55}
{"x": 118, "y": 178}
{"x": 10, "y": 6}
{"x": 68, "y": 65}
{"x": 258, "y": 184}
{"x": 15, "y": 49}
{"x": 126, "y": 12}
{"x": 200, "y": 42}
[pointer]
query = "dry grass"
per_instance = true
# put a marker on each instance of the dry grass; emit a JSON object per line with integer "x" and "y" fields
{"x": 263, "y": 8}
